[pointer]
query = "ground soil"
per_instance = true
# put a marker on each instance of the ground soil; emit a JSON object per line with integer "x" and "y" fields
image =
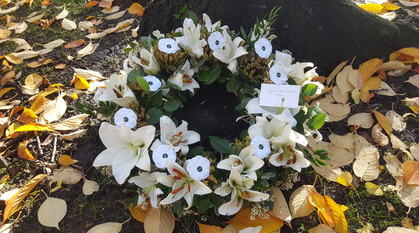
{"x": 212, "y": 105}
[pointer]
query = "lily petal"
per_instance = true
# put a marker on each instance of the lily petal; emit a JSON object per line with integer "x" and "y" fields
{"x": 123, "y": 164}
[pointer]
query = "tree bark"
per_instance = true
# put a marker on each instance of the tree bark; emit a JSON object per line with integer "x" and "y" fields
{"x": 324, "y": 32}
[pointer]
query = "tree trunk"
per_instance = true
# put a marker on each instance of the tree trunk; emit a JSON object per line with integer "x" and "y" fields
{"x": 324, "y": 32}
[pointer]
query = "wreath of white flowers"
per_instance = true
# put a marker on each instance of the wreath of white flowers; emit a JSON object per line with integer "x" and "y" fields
{"x": 159, "y": 73}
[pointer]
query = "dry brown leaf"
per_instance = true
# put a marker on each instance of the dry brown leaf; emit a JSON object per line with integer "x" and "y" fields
{"x": 60, "y": 66}
{"x": 339, "y": 95}
{"x": 4, "y": 33}
{"x": 19, "y": 27}
{"x": 411, "y": 172}
{"x": 35, "y": 18}
{"x": 337, "y": 110}
{"x": 355, "y": 78}
{"x": 391, "y": 65}
{"x": 342, "y": 80}
{"x": 413, "y": 103}
{"x": 409, "y": 195}
{"x": 414, "y": 150}
{"x": 62, "y": 15}
{"x": 414, "y": 80}
{"x": 68, "y": 175}
{"x": 92, "y": 3}
{"x": 397, "y": 73}
{"x": 13, "y": 59}
{"x": 328, "y": 172}
{"x": 378, "y": 136}
{"x": 89, "y": 49}
{"x": 394, "y": 166}
{"x": 34, "y": 80}
{"x": 386, "y": 90}
{"x": 105, "y": 4}
{"x": 108, "y": 227}
{"x": 116, "y": 15}
{"x": 74, "y": 44}
{"x": 401, "y": 229}
{"x": 396, "y": 120}
{"x": 89, "y": 187}
{"x": 68, "y": 24}
{"x": 299, "y": 203}
{"x": 111, "y": 10}
{"x": 71, "y": 123}
{"x": 280, "y": 209}
{"x": 366, "y": 165}
{"x": 7, "y": 77}
{"x": 54, "y": 44}
{"x": 363, "y": 120}
{"x": 89, "y": 74}
{"x": 159, "y": 220}
{"x": 345, "y": 141}
{"x": 55, "y": 109}
{"x": 52, "y": 211}
{"x": 74, "y": 135}
{"x": 339, "y": 156}
{"x": 322, "y": 228}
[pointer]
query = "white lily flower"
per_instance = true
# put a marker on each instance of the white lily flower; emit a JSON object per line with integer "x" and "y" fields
{"x": 190, "y": 38}
{"x": 147, "y": 181}
{"x": 261, "y": 146}
{"x": 184, "y": 186}
{"x": 284, "y": 58}
{"x": 239, "y": 188}
{"x": 198, "y": 167}
{"x": 184, "y": 80}
{"x": 245, "y": 163}
{"x": 161, "y": 153}
{"x": 211, "y": 27}
{"x": 146, "y": 60}
{"x": 179, "y": 138}
{"x": 117, "y": 91}
{"x": 297, "y": 72}
{"x": 168, "y": 45}
{"x": 125, "y": 116}
{"x": 229, "y": 53}
{"x": 263, "y": 47}
{"x": 288, "y": 156}
{"x": 278, "y": 74}
{"x": 153, "y": 82}
{"x": 125, "y": 149}
{"x": 216, "y": 41}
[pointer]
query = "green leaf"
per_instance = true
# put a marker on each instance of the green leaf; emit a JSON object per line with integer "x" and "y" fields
{"x": 203, "y": 206}
{"x": 268, "y": 175}
{"x": 220, "y": 144}
{"x": 198, "y": 150}
{"x": 309, "y": 89}
{"x": 132, "y": 76}
{"x": 203, "y": 76}
{"x": 171, "y": 105}
{"x": 157, "y": 99}
{"x": 301, "y": 100}
{"x": 233, "y": 84}
{"x": 193, "y": 16}
{"x": 214, "y": 73}
{"x": 155, "y": 115}
{"x": 317, "y": 121}
{"x": 215, "y": 200}
{"x": 143, "y": 84}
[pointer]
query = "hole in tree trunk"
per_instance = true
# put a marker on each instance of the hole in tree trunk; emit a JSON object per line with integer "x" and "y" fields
{"x": 211, "y": 112}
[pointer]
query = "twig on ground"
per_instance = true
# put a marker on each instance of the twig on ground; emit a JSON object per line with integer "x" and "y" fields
{"x": 39, "y": 145}
{"x": 54, "y": 149}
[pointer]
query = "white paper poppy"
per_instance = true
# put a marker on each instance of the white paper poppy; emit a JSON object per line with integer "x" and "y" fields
{"x": 126, "y": 116}
{"x": 216, "y": 40}
{"x": 261, "y": 147}
{"x": 153, "y": 82}
{"x": 263, "y": 47}
{"x": 161, "y": 153}
{"x": 198, "y": 167}
{"x": 168, "y": 45}
{"x": 278, "y": 74}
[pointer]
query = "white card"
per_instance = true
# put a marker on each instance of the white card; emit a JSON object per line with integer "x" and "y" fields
{"x": 273, "y": 95}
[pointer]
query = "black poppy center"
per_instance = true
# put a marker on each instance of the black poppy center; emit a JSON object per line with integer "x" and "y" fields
{"x": 169, "y": 46}
{"x": 278, "y": 75}
{"x": 217, "y": 42}
{"x": 126, "y": 119}
{"x": 165, "y": 156}
{"x": 263, "y": 48}
{"x": 261, "y": 146}
{"x": 199, "y": 168}
{"x": 150, "y": 83}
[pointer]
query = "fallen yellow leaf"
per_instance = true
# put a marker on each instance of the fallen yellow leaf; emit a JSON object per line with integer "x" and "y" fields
{"x": 139, "y": 212}
{"x": 5, "y": 90}
{"x": 208, "y": 228}
{"x": 27, "y": 116}
{"x": 80, "y": 83}
{"x": 369, "y": 67}
{"x": 136, "y": 9}
{"x": 373, "y": 189}
{"x": 411, "y": 172}
{"x": 383, "y": 121}
{"x": 373, "y": 8}
{"x": 345, "y": 179}
{"x": 66, "y": 160}
{"x": 242, "y": 220}
{"x": 23, "y": 152}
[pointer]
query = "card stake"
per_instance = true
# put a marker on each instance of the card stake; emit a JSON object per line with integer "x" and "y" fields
{"x": 273, "y": 95}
